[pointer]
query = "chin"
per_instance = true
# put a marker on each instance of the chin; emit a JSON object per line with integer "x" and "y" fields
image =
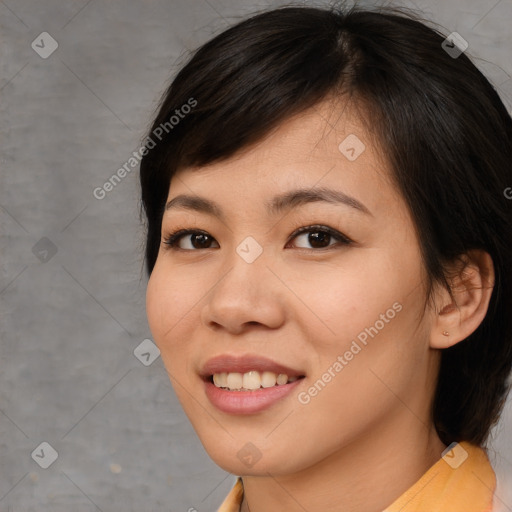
{"x": 233, "y": 465}
{"x": 245, "y": 459}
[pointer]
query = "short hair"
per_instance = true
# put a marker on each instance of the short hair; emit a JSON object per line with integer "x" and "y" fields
{"x": 441, "y": 124}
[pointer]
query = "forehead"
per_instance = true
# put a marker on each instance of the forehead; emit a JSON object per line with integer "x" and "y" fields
{"x": 327, "y": 145}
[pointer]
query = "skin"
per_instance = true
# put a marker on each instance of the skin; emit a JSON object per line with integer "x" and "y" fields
{"x": 367, "y": 436}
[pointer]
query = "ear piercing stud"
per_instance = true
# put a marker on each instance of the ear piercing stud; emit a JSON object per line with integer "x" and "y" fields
{"x": 446, "y": 333}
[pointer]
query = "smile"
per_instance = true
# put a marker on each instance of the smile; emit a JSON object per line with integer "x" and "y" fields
{"x": 251, "y": 380}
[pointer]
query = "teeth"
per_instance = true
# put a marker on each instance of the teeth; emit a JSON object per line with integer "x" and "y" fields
{"x": 220, "y": 380}
{"x": 250, "y": 380}
{"x": 268, "y": 379}
{"x": 282, "y": 379}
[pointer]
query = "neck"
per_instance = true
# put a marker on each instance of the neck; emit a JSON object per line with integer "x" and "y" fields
{"x": 365, "y": 475}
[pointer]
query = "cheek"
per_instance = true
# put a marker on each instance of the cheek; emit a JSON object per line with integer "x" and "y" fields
{"x": 170, "y": 313}
{"x": 156, "y": 300}
{"x": 369, "y": 315}
{"x": 170, "y": 298}
{"x": 341, "y": 301}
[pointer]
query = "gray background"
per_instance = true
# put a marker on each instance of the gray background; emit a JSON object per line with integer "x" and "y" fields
{"x": 71, "y": 319}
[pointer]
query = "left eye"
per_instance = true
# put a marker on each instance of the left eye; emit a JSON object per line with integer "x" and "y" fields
{"x": 317, "y": 237}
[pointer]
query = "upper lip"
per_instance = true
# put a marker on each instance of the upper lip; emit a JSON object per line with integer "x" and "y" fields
{"x": 245, "y": 363}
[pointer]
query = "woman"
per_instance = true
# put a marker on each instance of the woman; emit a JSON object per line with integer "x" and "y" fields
{"x": 329, "y": 249}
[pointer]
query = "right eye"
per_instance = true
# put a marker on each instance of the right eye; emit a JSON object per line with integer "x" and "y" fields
{"x": 200, "y": 238}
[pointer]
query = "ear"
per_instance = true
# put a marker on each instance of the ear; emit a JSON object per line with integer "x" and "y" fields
{"x": 472, "y": 282}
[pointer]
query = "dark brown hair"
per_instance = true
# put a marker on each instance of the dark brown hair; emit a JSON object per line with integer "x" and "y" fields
{"x": 442, "y": 127}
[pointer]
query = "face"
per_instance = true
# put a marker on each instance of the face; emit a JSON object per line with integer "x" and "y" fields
{"x": 339, "y": 305}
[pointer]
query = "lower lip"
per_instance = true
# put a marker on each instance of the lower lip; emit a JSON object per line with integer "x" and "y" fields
{"x": 247, "y": 402}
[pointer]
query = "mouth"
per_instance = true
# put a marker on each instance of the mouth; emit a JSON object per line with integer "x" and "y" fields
{"x": 247, "y": 384}
{"x": 251, "y": 380}
{"x": 247, "y": 372}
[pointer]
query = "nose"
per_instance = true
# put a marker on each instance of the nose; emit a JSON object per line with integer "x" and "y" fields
{"x": 247, "y": 294}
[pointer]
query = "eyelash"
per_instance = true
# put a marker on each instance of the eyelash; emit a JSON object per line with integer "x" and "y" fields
{"x": 172, "y": 240}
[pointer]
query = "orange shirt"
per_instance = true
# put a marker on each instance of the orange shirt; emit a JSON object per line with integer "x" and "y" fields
{"x": 462, "y": 480}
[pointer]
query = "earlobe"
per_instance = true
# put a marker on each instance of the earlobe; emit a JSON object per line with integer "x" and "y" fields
{"x": 472, "y": 287}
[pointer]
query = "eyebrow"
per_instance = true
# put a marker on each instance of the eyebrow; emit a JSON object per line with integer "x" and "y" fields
{"x": 276, "y": 205}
